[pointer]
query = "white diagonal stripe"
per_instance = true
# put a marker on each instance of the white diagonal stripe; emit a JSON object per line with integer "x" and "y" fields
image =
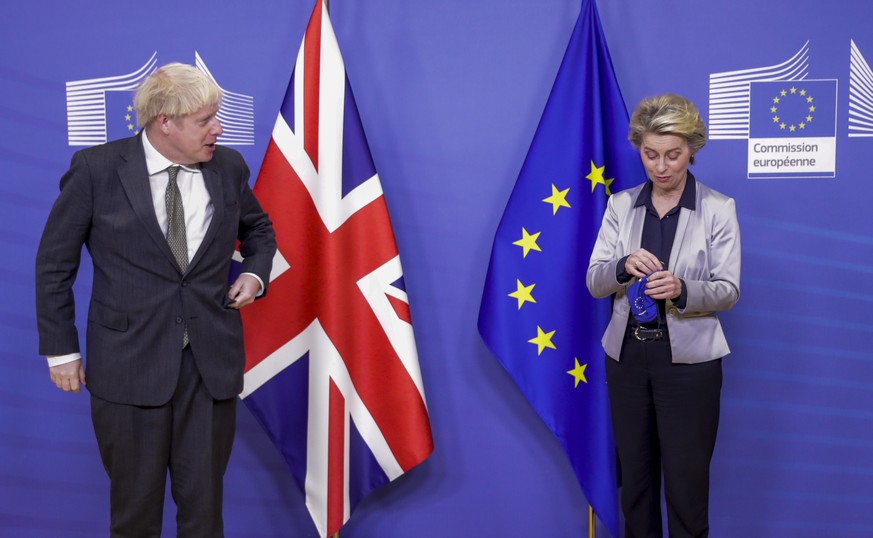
{"x": 374, "y": 287}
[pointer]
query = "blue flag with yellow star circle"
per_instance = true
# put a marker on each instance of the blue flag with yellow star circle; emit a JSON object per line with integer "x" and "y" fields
{"x": 537, "y": 316}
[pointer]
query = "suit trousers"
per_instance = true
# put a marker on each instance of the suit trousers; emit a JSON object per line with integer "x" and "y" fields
{"x": 190, "y": 436}
{"x": 665, "y": 419}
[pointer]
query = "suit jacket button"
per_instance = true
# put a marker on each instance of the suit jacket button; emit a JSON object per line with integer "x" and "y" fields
{"x": 672, "y": 310}
{"x": 184, "y": 283}
{"x": 179, "y": 320}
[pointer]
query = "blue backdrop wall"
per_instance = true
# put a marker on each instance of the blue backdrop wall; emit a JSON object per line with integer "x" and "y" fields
{"x": 450, "y": 93}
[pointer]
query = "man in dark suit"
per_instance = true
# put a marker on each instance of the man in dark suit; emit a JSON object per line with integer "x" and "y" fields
{"x": 160, "y": 214}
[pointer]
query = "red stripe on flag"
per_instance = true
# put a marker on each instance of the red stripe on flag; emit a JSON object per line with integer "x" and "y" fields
{"x": 401, "y": 308}
{"x": 336, "y": 460}
{"x": 311, "y": 83}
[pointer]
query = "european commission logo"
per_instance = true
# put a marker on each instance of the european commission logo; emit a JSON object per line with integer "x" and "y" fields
{"x": 793, "y": 130}
{"x": 789, "y": 119}
{"x": 101, "y": 109}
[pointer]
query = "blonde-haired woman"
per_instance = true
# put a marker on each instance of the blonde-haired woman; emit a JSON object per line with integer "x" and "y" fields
{"x": 681, "y": 241}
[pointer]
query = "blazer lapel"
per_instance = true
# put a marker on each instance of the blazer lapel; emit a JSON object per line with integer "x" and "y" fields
{"x": 637, "y": 220}
{"x": 134, "y": 178}
{"x": 212, "y": 179}
{"x": 681, "y": 229}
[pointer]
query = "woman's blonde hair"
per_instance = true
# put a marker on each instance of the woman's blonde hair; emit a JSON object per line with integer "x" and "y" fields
{"x": 668, "y": 114}
{"x": 174, "y": 90}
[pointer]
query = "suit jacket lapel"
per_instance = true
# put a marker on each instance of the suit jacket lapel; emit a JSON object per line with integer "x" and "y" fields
{"x": 212, "y": 179}
{"x": 134, "y": 178}
{"x": 637, "y": 220}
{"x": 682, "y": 227}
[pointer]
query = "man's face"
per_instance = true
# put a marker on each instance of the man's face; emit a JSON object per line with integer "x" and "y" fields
{"x": 191, "y": 139}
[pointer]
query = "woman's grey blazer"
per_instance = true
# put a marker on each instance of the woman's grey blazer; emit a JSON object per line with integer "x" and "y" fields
{"x": 705, "y": 255}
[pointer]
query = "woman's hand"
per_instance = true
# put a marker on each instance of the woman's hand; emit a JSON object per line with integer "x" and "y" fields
{"x": 642, "y": 263}
{"x": 663, "y": 285}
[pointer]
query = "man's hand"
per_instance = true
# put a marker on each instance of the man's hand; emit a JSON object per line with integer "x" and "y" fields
{"x": 69, "y": 376}
{"x": 243, "y": 291}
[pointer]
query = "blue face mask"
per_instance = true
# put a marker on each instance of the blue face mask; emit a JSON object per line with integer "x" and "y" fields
{"x": 643, "y": 307}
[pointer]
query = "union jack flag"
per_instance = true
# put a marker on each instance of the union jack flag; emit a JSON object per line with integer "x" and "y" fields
{"x": 332, "y": 369}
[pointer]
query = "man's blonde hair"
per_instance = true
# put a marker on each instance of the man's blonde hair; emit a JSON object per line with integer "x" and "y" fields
{"x": 174, "y": 90}
{"x": 668, "y": 114}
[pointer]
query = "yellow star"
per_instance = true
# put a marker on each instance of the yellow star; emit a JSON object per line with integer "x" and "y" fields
{"x": 129, "y": 127}
{"x": 775, "y": 119}
{"x": 596, "y": 176}
{"x": 802, "y": 92}
{"x": 793, "y": 90}
{"x": 802, "y": 125}
{"x": 129, "y": 108}
{"x": 809, "y": 118}
{"x": 812, "y": 108}
{"x": 809, "y": 99}
{"x": 557, "y": 199}
{"x": 783, "y": 93}
{"x": 127, "y": 117}
{"x": 776, "y": 100}
{"x": 522, "y": 293}
{"x": 773, "y": 109}
{"x": 528, "y": 242}
{"x": 792, "y": 128}
{"x": 543, "y": 340}
{"x": 781, "y": 125}
{"x": 578, "y": 372}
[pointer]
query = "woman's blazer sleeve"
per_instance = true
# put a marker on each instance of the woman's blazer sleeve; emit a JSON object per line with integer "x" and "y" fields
{"x": 719, "y": 289}
{"x": 611, "y": 245}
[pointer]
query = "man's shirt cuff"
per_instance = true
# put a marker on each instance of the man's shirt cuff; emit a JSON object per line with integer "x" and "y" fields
{"x": 261, "y": 282}
{"x": 57, "y": 360}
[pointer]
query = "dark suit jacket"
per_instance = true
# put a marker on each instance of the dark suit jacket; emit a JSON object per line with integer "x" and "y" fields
{"x": 141, "y": 301}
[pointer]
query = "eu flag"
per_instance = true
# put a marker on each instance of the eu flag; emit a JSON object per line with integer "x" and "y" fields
{"x": 537, "y": 316}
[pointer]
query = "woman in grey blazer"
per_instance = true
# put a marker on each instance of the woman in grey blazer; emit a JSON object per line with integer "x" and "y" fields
{"x": 664, "y": 375}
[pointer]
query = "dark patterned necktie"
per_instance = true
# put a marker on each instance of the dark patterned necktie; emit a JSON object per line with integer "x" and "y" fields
{"x": 176, "y": 220}
{"x": 176, "y": 227}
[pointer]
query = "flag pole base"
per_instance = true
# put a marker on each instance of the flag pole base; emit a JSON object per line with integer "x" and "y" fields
{"x": 592, "y": 532}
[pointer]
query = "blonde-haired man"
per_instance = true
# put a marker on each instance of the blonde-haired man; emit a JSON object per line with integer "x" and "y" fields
{"x": 160, "y": 214}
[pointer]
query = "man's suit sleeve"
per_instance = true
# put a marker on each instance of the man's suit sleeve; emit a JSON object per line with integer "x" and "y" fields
{"x": 257, "y": 241}
{"x": 58, "y": 258}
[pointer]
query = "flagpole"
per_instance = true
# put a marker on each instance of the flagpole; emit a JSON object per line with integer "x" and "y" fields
{"x": 592, "y": 532}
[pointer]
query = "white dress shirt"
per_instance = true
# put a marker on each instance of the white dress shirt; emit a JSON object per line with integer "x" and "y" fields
{"x": 195, "y": 198}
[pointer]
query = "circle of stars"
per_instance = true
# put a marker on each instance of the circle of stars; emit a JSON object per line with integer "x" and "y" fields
{"x": 786, "y": 94}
